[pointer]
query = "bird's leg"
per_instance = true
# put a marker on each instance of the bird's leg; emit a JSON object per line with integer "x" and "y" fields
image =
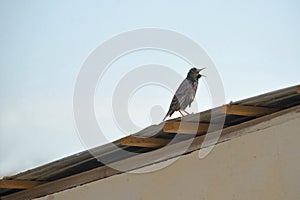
{"x": 181, "y": 113}
{"x": 186, "y": 112}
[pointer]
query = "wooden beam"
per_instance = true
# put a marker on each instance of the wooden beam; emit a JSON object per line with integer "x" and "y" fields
{"x": 18, "y": 184}
{"x": 185, "y": 127}
{"x": 251, "y": 111}
{"x": 298, "y": 88}
{"x": 144, "y": 142}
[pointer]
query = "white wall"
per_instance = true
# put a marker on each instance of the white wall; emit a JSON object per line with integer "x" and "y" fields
{"x": 264, "y": 164}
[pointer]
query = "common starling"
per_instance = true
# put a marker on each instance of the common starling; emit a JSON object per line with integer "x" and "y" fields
{"x": 185, "y": 94}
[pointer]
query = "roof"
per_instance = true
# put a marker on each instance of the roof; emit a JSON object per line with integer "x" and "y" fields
{"x": 84, "y": 167}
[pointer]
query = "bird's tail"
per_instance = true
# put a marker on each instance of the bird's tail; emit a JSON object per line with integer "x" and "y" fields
{"x": 165, "y": 117}
{"x": 169, "y": 113}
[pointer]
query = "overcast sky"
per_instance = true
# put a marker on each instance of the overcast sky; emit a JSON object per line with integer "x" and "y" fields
{"x": 254, "y": 44}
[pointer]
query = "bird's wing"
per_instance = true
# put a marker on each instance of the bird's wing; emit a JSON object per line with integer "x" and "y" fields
{"x": 185, "y": 93}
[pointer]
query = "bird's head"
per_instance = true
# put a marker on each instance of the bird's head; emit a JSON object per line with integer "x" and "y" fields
{"x": 194, "y": 74}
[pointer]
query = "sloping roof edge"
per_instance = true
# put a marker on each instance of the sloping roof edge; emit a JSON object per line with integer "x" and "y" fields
{"x": 158, "y": 155}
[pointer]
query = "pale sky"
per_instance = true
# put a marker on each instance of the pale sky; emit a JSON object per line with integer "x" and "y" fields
{"x": 254, "y": 44}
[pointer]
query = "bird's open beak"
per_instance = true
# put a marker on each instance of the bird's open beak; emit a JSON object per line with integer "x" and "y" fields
{"x": 199, "y": 70}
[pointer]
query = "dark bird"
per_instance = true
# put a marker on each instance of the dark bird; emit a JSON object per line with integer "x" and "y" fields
{"x": 185, "y": 94}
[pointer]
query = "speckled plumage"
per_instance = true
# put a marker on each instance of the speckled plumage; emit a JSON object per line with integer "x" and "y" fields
{"x": 185, "y": 94}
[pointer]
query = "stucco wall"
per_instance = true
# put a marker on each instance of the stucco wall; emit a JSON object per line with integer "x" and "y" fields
{"x": 264, "y": 164}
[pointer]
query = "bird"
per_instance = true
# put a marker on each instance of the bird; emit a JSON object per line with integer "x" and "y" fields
{"x": 186, "y": 92}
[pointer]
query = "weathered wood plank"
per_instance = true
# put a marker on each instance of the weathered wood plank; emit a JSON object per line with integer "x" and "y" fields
{"x": 298, "y": 89}
{"x": 18, "y": 184}
{"x": 185, "y": 127}
{"x": 144, "y": 142}
{"x": 251, "y": 111}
